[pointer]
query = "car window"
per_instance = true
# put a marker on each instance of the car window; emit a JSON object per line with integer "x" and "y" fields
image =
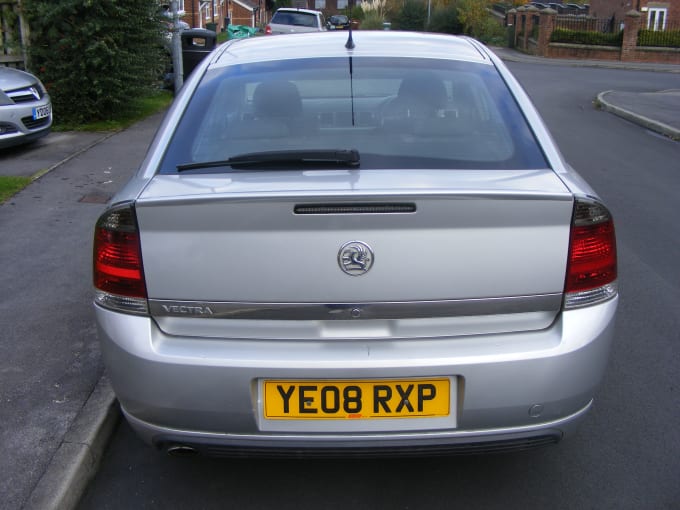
{"x": 302, "y": 19}
{"x": 397, "y": 113}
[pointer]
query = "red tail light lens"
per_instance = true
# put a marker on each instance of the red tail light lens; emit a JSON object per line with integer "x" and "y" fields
{"x": 267, "y": 30}
{"x": 592, "y": 270}
{"x": 118, "y": 273}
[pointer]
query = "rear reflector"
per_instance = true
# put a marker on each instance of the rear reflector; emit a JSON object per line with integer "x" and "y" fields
{"x": 592, "y": 270}
{"x": 118, "y": 274}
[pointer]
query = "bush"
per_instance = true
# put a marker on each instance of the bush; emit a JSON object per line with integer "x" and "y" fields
{"x": 564, "y": 35}
{"x": 411, "y": 16}
{"x": 272, "y": 5}
{"x": 473, "y": 15}
{"x": 444, "y": 20}
{"x": 357, "y": 13}
{"x": 95, "y": 55}
{"x": 493, "y": 33}
{"x": 372, "y": 21}
{"x": 664, "y": 39}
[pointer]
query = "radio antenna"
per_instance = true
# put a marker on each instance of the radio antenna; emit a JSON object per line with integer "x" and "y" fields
{"x": 350, "y": 42}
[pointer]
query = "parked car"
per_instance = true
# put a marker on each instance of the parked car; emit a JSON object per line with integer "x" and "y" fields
{"x": 338, "y": 22}
{"x": 355, "y": 247}
{"x": 557, "y": 7}
{"x": 25, "y": 108}
{"x": 577, "y": 9}
{"x": 292, "y": 21}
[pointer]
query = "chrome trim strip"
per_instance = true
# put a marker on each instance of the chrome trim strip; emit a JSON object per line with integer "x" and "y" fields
{"x": 355, "y": 311}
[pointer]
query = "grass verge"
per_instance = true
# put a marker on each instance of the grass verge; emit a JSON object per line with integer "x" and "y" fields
{"x": 9, "y": 185}
{"x": 140, "y": 109}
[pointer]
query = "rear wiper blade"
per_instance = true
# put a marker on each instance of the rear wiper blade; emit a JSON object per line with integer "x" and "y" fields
{"x": 341, "y": 157}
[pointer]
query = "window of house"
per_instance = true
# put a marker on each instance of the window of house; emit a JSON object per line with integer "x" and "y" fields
{"x": 656, "y": 18}
{"x": 319, "y": 4}
{"x": 180, "y": 7}
{"x": 342, "y": 4}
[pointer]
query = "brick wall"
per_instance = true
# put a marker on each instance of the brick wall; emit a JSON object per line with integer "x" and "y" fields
{"x": 629, "y": 51}
{"x": 578, "y": 51}
{"x": 607, "y": 8}
{"x": 619, "y": 8}
{"x": 241, "y": 14}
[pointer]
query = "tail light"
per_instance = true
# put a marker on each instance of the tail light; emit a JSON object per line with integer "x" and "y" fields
{"x": 268, "y": 30}
{"x": 117, "y": 269}
{"x": 591, "y": 269}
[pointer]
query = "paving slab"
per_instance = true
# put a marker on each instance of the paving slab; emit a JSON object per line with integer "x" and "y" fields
{"x": 50, "y": 361}
{"x": 44, "y": 154}
{"x": 514, "y": 55}
{"x": 658, "y": 111}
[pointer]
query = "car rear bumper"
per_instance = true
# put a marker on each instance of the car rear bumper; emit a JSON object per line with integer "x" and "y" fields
{"x": 368, "y": 445}
{"x": 507, "y": 389}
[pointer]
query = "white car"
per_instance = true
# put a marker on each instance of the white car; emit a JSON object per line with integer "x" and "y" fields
{"x": 366, "y": 246}
{"x": 25, "y": 108}
{"x": 293, "y": 21}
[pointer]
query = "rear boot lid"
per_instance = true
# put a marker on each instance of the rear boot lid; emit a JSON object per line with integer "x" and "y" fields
{"x": 347, "y": 245}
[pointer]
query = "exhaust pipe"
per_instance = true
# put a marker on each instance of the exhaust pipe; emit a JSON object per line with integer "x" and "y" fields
{"x": 181, "y": 450}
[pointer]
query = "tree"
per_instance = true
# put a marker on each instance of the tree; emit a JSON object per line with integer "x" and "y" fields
{"x": 95, "y": 56}
{"x": 473, "y": 14}
{"x": 412, "y": 16}
{"x": 445, "y": 19}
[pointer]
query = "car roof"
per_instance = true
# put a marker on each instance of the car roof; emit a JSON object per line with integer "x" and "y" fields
{"x": 293, "y": 9}
{"x": 367, "y": 43}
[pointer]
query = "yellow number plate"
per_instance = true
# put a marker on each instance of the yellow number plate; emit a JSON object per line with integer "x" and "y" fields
{"x": 365, "y": 399}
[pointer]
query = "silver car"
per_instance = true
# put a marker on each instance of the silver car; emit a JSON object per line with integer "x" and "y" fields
{"x": 288, "y": 20}
{"x": 25, "y": 108}
{"x": 354, "y": 246}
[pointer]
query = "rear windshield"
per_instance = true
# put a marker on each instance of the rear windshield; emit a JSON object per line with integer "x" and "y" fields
{"x": 396, "y": 112}
{"x": 300, "y": 19}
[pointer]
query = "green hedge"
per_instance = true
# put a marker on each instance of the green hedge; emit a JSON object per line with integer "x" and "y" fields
{"x": 94, "y": 56}
{"x": 563, "y": 35}
{"x": 412, "y": 16}
{"x": 665, "y": 39}
{"x": 444, "y": 19}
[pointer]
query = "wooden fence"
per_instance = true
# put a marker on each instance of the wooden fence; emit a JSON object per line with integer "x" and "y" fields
{"x": 13, "y": 35}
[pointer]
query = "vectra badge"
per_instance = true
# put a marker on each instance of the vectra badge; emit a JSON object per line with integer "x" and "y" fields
{"x": 355, "y": 258}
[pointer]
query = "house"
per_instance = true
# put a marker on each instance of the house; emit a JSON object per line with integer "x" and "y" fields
{"x": 217, "y": 14}
{"x": 662, "y": 15}
{"x": 329, "y": 7}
